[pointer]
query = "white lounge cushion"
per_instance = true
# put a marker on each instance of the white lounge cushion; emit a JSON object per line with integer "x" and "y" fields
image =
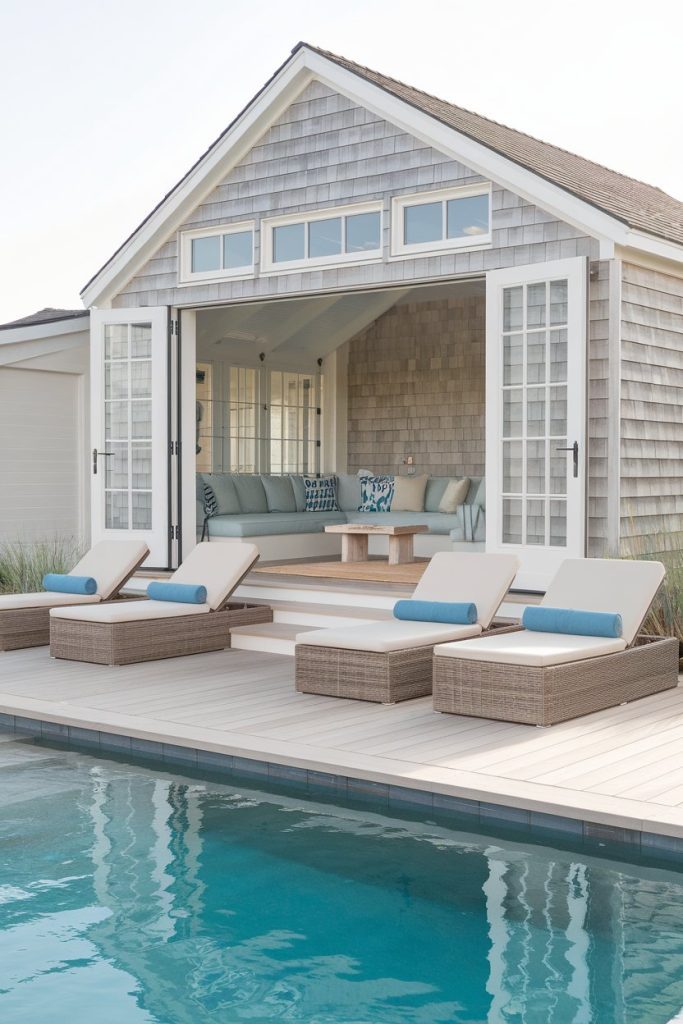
{"x": 218, "y": 567}
{"x": 110, "y": 563}
{"x": 532, "y": 649}
{"x": 391, "y": 635}
{"x": 44, "y": 599}
{"x": 607, "y": 585}
{"x": 455, "y": 576}
{"x": 130, "y": 611}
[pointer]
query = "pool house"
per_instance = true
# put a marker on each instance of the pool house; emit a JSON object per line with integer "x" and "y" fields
{"x": 357, "y": 276}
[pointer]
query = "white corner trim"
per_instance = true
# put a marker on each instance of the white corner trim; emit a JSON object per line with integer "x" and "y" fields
{"x": 303, "y": 67}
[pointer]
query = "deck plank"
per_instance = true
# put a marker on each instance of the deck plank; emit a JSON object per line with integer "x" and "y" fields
{"x": 623, "y": 765}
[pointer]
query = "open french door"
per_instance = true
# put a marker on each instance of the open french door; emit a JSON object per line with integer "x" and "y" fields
{"x": 129, "y": 422}
{"x": 536, "y": 321}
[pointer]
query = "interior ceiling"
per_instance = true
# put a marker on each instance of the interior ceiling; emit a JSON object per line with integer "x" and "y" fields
{"x": 303, "y": 330}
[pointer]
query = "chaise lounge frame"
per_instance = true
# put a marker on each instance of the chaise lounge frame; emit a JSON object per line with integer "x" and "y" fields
{"x": 537, "y": 694}
{"x": 30, "y": 627}
{"x": 533, "y": 695}
{"x": 128, "y": 643}
{"x": 383, "y": 677}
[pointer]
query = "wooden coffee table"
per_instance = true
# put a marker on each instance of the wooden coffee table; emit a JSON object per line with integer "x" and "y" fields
{"x": 355, "y": 541}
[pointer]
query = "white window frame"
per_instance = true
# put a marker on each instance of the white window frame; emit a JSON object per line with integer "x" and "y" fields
{"x": 187, "y": 276}
{"x": 270, "y": 268}
{"x": 401, "y": 250}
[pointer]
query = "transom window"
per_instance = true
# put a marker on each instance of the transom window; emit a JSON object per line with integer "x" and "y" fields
{"x": 218, "y": 252}
{"x": 440, "y": 221}
{"x": 342, "y": 235}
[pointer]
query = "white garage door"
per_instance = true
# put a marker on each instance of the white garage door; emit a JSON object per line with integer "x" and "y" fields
{"x": 40, "y": 455}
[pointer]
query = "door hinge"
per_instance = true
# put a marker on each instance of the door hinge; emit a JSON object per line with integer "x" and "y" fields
{"x": 174, "y": 447}
{"x": 317, "y": 444}
{"x": 173, "y": 328}
{"x": 318, "y": 411}
{"x": 174, "y": 532}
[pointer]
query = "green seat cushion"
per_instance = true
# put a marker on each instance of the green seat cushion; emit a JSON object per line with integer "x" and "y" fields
{"x": 279, "y": 493}
{"x": 436, "y": 485}
{"x": 348, "y": 491}
{"x": 273, "y": 524}
{"x": 251, "y": 493}
{"x": 477, "y": 492}
{"x": 299, "y": 491}
{"x": 223, "y": 486}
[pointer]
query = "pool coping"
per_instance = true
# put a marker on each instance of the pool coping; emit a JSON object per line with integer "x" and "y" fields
{"x": 539, "y": 825}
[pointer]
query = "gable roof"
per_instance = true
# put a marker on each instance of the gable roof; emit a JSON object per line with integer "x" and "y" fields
{"x": 626, "y": 211}
{"x": 45, "y": 316}
{"x": 641, "y": 206}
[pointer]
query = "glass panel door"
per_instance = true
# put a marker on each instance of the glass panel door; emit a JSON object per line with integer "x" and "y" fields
{"x": 129, "y": 426}
{"x": 536, "y": 336}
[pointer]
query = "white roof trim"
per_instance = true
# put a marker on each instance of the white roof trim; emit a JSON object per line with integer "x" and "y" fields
{"x": 304, "y": 66}
{"x": 48, "y": 329}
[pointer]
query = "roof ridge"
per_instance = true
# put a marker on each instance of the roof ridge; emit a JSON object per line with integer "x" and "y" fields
{"x": 473, "y": 113}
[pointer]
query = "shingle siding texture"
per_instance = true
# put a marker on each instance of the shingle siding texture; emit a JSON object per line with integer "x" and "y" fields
{"x": 637, "y": 204}
{"x": 416, "y": 386}
{"x": 651, "y": 410}
{"x": 326, "y": 151}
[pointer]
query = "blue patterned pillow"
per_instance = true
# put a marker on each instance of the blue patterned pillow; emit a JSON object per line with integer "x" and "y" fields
{"x": 376, "y": 493}
{"x": 321, "y": 494}
{"x": 210, "y": 502}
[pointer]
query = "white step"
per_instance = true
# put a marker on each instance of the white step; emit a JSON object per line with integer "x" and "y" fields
{"x": 327, "y": 616}
{"x": 318, "y": 595}
{"x": 267, "y": 637}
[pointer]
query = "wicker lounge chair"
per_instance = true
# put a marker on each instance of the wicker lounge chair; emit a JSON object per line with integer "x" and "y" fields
{"x": 133, "y": 631}
{"x": 391, "y": 661}
{"x": 541, "y": 678}
{"x": 25, "y": 618}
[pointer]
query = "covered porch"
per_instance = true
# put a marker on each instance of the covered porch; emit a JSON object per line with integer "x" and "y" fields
{"x": 388, "y": 382}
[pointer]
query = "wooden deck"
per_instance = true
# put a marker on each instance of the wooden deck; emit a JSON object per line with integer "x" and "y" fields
{"x": 622, "y": 767}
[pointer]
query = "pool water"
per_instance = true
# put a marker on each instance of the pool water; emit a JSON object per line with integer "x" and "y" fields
{"x": 129, "y": 894}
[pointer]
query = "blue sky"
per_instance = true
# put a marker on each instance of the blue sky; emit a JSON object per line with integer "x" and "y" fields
{"x": 105, "y": 104}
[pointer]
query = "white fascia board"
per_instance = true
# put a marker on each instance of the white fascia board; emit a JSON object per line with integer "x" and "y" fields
{"x": 200, "y": 182}
{"x": 25, "y": 350}
{"x": 50, "y": 329}
{"x": 658, "y": 247}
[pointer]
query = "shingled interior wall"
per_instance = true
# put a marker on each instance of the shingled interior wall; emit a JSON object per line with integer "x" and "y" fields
{"x": 417, "y": 387}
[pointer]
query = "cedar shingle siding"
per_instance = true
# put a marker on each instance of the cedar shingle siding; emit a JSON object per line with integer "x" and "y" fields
{"x": 326, "y": 151}
{"x": 651, "y": 409}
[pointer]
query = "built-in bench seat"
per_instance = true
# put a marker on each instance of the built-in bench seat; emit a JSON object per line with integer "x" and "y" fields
{"x": 244, "y": 505}
{"x": 272, "y": 523}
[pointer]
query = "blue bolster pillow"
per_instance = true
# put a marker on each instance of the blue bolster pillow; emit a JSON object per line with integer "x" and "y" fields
{"x": 572, "y": 622}
{"x": 62, "y": 583}
{"x": 184, "y": 593}
{"x": 452, "y": 613}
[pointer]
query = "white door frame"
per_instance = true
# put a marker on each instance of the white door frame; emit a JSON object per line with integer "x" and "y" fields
{"x": 157, "y": 538}
{"x": 538, "y": 562}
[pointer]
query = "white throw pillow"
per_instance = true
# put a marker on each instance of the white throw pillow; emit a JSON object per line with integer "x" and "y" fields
{"x": 409, "y": 493}
{"x": 454, "y": 495}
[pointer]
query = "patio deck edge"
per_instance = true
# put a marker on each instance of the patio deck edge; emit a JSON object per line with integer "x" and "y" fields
{"x": 478, "y": 803}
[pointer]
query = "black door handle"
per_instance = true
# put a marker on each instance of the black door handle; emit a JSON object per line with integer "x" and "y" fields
{"x": 574, "y": 449}
{"x": 95, "y": 453}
